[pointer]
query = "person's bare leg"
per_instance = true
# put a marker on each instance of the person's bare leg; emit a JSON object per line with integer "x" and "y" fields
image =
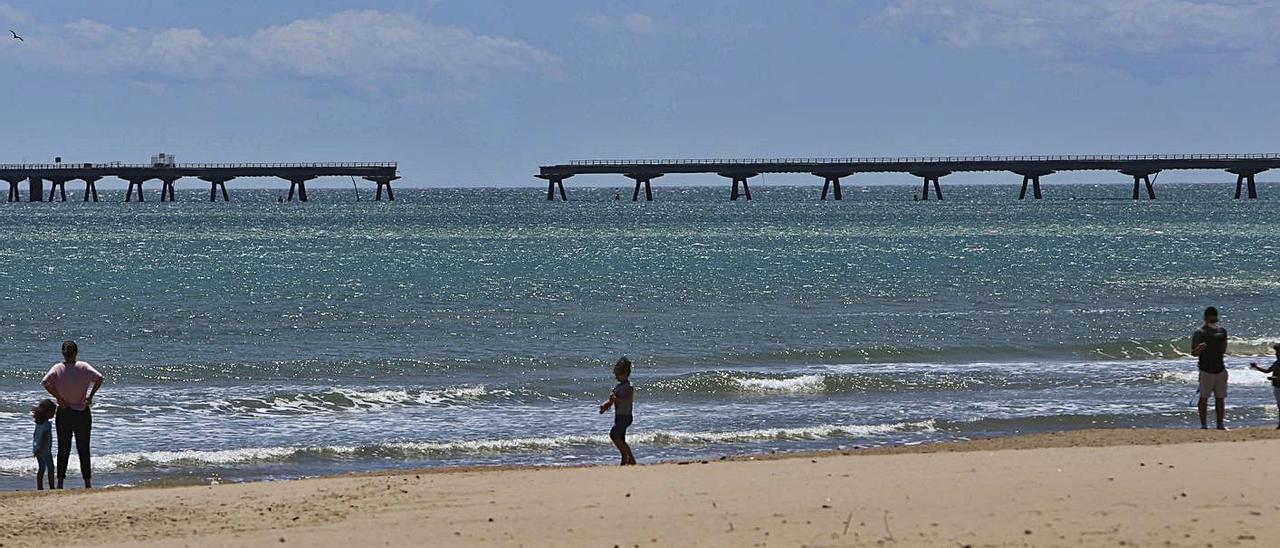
{"x": 1203, "y": 406}
{"x": 622, "y": 449}
{"x": 627, "y": 457}
{"x": 1219, "y": 408}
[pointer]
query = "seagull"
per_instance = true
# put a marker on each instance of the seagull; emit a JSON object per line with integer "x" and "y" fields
{"x": 15, "y": 36}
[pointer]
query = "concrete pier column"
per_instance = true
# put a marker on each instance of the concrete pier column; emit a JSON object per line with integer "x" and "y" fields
{"x": 216, "y": 184}
{"x": 166, "y": 189}
{"x": 831, "y": 181}
{"x": 90, "y": 188}
{"x": 554, "y": 182}
{"x": 35, "y": 189}
{"x": 931, "y": 177}
{"x": 1246, "y": 179}
{"x": 300, "y": 186}
{"x": 58, "y": 187}
{"x": 1022, "y": 194}
{"x": 14, "y": 196}
{"x": 1032, "y": 178}
{"x": 739, "y": 182}
{"x": 646, "y": 180}
{"x": 385, "y": 183}
{"x": 135, "y": 183}
{"x": 1140, "y": 178}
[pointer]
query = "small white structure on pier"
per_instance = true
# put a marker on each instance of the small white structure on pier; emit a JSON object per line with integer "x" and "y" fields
{"x": 163, "y": 160}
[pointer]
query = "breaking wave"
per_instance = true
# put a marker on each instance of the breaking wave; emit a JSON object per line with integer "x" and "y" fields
{"x": 426, "y": 450}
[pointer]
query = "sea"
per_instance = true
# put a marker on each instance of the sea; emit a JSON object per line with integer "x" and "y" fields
{"x": 253, "y": 340}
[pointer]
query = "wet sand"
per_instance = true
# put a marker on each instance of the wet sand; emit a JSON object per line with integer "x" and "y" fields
{"x": 1084, "y": 488}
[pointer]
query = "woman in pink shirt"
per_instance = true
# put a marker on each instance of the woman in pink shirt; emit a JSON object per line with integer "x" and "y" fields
{"x": 73, "y": 384}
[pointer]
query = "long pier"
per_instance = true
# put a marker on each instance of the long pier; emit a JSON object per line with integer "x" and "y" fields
{"x": 1142, "y": 168}
{"x": 217, "y": 175}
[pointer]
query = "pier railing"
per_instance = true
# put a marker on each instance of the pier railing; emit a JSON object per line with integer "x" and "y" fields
{"x": 926, "y": 159}
{"x": 93, "y": 165}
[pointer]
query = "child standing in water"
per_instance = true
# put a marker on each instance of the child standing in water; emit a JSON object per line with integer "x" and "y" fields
{"x": 1274, "y": 370}
{"x": 620, "y": 400}
{"x": 42, "y": 441}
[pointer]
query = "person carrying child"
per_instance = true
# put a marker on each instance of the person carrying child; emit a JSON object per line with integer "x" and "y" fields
{"x": 42, "y": 442}
{"x": 620, "y": 400}
{"x": 1274, "y": 370}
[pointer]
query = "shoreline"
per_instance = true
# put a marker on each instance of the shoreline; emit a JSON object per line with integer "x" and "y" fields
{"x": 1086, "y": 486}
{"x": 1093, "y": 437}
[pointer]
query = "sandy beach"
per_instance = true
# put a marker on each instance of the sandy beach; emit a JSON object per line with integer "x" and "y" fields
{"x": 1096, "y": 487}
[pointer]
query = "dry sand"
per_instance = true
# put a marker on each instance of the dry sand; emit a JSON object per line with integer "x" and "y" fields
{"x": 1090, "y": 488}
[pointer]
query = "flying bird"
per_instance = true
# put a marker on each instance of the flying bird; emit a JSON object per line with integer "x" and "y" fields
{"x": 15, "y": 36}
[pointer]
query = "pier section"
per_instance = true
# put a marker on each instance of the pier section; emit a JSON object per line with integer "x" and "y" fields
{"x": 217, "y": 175}
{"x": 1143, "y": 168}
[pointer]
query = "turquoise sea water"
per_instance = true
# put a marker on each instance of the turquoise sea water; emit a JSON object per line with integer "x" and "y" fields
{"x": 252, "y": 340}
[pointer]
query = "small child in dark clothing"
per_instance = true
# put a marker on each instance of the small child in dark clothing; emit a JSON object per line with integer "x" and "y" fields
{"x": 1274, "y": 370}
{"x": 620, "y": 400}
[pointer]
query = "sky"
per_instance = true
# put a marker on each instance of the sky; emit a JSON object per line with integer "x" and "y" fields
{"x": 482, "y": 92}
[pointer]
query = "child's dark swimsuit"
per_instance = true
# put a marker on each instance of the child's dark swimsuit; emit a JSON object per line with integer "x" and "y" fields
{"x": 621, "y": 411}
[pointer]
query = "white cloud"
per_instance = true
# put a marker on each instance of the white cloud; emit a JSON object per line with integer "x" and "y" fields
{"x": 637, "y": 22}
{"x": 350, "y": 44}
{"x": 1232, "y": 31}
{"x": 10, "y": 15}
{"x": 632, "y": 22}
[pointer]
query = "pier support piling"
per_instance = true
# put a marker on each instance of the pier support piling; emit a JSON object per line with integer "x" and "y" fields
{"x": 299, "y": 185}
{"x": 14, "y": 196}
{"x": 384, "y": 183}
{"x": 128, "y": 195}
{"x": 1246, "y": 179}
{"x": 1139, "y": 178}
{"x": 1035, "y": 187}
{"x": 1031, "y": 178}
{"x": 740, "y": 186}
{"x": 35, "y": 189}
{"x": 931, "y": 178}
{"x": 90, "y": 188}
{"x": 58, "y": 187}
{"x": 554, "y": 182}
{"x": 645, "y": 179}
{"x": 166, "y": 190}
{"x": 216, "y": 184}
{"x": 831, "y": 182}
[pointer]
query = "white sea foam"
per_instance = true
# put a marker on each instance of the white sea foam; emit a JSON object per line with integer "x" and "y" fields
{"x": 803, "y": 383}
{"x": 159, "y": 458}
{"x": 1237, "y": 377}
{"x": 350, "y": 399}
{"x": 411, "y": 450}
